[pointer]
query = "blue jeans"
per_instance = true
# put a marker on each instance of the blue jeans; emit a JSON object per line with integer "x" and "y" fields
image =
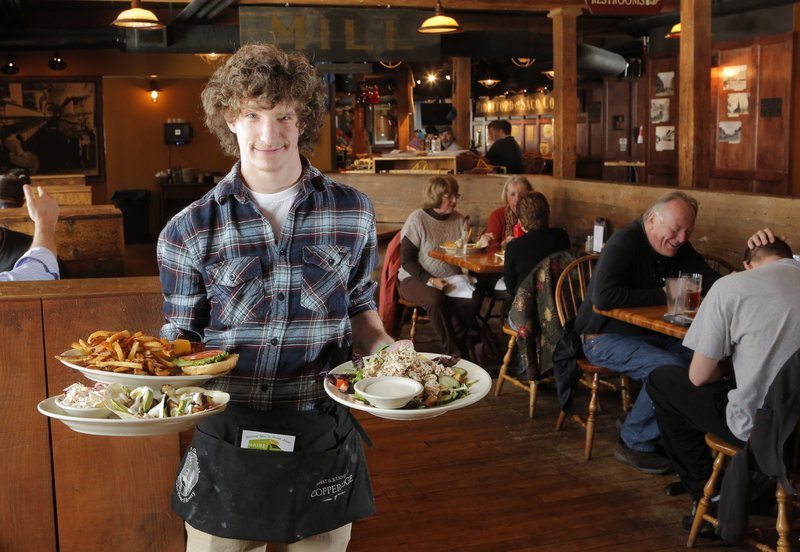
{"x": 637, "y": 356}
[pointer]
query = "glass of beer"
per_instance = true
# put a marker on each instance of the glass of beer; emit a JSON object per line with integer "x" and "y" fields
{"x": 692, "y": 286}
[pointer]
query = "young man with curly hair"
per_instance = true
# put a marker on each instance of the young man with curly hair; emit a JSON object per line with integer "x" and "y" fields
{"x": 274, "y": 264}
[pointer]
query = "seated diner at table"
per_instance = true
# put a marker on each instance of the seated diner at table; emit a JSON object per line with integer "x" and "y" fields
{"x": 538, "y": 241}
{"x": 751, "y": 317}
{"x": 422, "y": 279}
{"x": 500, "y": 229}
{"x": 631, "y": 272}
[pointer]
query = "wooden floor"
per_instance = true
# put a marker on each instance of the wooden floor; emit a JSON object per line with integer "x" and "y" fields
{"x": 488, "y": 479}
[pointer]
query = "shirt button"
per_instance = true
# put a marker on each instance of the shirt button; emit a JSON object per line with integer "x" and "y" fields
{"x": 281, "y": 296}
{"x": 283, "y": 252}
{"x": 274, "y": 341}
{"x": 264, "y": 387}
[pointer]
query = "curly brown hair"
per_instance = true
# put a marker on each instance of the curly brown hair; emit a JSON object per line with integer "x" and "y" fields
{"x": 270, "y": 76}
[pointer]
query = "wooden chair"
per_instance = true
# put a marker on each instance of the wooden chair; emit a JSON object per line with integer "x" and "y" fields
{"x": 417, "y": 314}
{"x": 547, "y": 270}
{"x": 719, "y": 264}
{"x": 724, "y": 451}
{"x": 570, "y": 292}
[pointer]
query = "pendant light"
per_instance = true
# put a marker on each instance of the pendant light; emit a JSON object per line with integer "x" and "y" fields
{"x": 10, "y": 67}
{"x": 675, "y": 32}
{"x": 137, "y": 18}
{"x": 523, "y": 62}
{"x": 57, "y": 63}
{"x": 440, "y": 23}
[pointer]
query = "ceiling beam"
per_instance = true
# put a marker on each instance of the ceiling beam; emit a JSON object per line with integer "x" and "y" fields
{"x": 453, "y": 5}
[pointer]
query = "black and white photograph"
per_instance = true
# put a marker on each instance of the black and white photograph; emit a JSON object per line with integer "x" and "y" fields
{"x": 738, "y": 104}
{"x": 659, "y": 110}
{"x": 730, "y": 132}
{"x": 665, "y": 138}
{"x": 734, "y": 77}
{"x": 51, "y": 126}
{"x": 665, "y": 84}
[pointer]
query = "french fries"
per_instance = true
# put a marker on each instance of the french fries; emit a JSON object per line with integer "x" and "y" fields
{"x": 123, "y": 351}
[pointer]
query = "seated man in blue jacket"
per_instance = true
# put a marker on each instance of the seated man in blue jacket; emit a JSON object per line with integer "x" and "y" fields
{"x": 631, "y": 272}
{"x": 751, "y": 317}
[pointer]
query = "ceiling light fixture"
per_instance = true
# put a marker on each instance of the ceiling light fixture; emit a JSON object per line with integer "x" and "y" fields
{"x": 440, "y": 23}
{"x": 390, "y": 64}
{"x": 137, "y": 18}
{"x": 152, "y": 91}
{"x": 523, "y": 62}
{"x": 549, "y": 74}
{"x": 211, "y": 57}
{"x": 10, "y": 68}
{"x": 56, "y": 63}
{"x": 487, "y": 76}
{"x": 675, "y": 32}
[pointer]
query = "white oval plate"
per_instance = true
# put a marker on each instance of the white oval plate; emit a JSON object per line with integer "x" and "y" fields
{"x": 477, "y": 391}
{"x": 119, "y": 427}
{"x": 134, "y": 380}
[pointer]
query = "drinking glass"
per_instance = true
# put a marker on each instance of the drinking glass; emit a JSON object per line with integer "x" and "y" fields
{"x": 676, "y": 298}
{"x": 692, "y": 287}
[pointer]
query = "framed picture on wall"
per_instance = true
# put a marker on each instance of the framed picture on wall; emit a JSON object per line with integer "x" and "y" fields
{"x": 52, "y": 126}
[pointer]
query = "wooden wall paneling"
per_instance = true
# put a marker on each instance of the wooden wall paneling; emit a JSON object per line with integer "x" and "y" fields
{"x": 27, "y": 520}
{"x": 772, "y": 134}
{"x": 730, "y": 155}
{"x": 111, "y": 492}
{"x": 617, "y": 126}
{"x": 662, "y": 166}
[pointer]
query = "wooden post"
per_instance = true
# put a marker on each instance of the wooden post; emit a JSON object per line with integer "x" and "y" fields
{"x": 405, "y": 105}
{"x": 694, "y": 96}
{"x": 359, "y": 141}
{"x": 462, "y": 81}
{"x": 565, "y": 86}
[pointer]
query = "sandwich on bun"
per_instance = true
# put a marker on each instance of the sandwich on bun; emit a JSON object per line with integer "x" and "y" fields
{"x": 197, "y": 361}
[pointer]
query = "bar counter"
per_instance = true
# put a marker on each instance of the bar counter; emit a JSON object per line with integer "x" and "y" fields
{"x": 73, "y": 492}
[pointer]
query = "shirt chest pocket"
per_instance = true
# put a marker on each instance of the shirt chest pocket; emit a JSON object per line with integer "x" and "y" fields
{"x": 237, "y": 291}
{"x": 326, "y": 270}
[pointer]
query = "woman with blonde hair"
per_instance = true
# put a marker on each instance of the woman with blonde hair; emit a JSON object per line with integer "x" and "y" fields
{"x": 500, "y": 229}
{"x": 422, "y": 279}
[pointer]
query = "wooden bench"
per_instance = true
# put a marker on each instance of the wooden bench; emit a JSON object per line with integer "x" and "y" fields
{"x": 89, "y": 238}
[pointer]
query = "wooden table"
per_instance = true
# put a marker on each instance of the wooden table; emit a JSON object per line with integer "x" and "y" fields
{"x": 483, "y": 262}
{"x": 387, "y": 230}
{"x": 631, "y": 165}
{"x": 647, "y": 317}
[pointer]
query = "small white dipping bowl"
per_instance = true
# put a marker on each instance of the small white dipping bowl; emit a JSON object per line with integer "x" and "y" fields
{"x": 87, "y": 412}
{"x": 388, "y": 391}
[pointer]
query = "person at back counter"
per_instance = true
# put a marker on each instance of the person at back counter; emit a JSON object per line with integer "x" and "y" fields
{"x": 630, "y": 273}
{"x": 504, "y": 150}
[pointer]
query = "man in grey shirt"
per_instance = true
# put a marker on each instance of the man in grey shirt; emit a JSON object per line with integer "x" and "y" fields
{"x": 751, "y": 317}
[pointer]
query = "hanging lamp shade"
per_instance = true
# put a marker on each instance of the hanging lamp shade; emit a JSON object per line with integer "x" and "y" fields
{"x": 440, "y": 23}
{"x": 675, "y": 32}
{"x": 137, "y": 18}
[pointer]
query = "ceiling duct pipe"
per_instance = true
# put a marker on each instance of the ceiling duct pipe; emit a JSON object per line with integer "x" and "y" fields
{"x": 63, "y": 40}
{"x": 719, "y": 8}
{"x": 597, "y": 61}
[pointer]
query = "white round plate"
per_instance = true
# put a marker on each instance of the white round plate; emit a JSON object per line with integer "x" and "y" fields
{"x": 478, "y": 390}
{"x": 103, "y": 376}
{"x": 471, "y": 248}
{"x": 119, "y": 427}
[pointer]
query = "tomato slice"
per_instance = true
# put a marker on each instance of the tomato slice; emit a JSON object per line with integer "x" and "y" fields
{"x": 203, "y": 354}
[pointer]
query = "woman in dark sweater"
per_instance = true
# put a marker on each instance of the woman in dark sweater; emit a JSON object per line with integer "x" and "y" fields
{"x": 539, "y": 241}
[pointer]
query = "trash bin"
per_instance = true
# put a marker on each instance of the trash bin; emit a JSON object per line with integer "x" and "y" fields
{"x": 135, "y": 207}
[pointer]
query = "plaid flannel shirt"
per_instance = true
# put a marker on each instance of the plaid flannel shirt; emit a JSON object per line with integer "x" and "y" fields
{"x": 285, "y": 307}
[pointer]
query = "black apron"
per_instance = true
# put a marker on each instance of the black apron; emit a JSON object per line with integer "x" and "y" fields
{"x": 273, "y": 496}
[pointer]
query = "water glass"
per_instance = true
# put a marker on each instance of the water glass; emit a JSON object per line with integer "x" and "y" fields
{"x": 676, "y": 298}
{"x": 692, "y": 287}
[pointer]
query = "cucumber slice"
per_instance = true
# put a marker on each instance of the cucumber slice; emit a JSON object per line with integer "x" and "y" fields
{"x": 448, "y": 382}
{"x": 459, "y": 370}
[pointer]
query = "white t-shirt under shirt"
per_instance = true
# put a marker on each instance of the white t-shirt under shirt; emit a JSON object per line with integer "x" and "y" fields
{"x": 276, "y": 206}
{"x": 753, "y": 317}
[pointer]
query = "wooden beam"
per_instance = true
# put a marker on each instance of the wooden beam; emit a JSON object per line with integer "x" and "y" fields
{"x": 461, "y": 100}
{"x": 565, "y": 85}
{"x": 448, "y": 5}
{"x": 694, "y": 96}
